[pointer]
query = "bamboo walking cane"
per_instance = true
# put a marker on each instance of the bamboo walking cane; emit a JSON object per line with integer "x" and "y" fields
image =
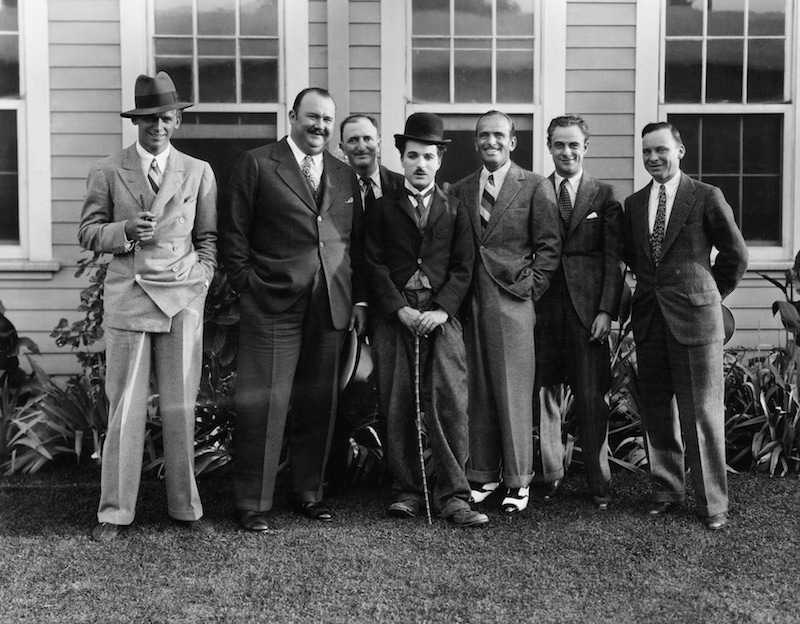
{"x": 419, "y": 430}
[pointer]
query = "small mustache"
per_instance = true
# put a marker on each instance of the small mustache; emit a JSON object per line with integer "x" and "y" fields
{"x": 420, "y": 172}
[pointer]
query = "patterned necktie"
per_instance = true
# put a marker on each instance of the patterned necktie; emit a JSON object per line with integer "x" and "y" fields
{"x": 308, "y": 173}
{"x": 487, "y": 200}
{"x": 154, "y": 176}
{"x": 659, "y": 227}
{"x": 369, "y": 193}
{"x": 422, "y": 212}
{"x": 564, "y": 203}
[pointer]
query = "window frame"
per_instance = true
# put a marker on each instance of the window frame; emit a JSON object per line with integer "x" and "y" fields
{"x": 34, "y": 253}
{"x": 651, "y": 106}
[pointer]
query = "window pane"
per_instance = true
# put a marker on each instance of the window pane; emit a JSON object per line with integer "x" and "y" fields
{"x": 431, "y": 75}
{"x": 473, "y": 76}
{"x": 767, "y": 17}
{"x": 259, "y": 47}
{"x": 763, "y": 144}
{"x": 684, "y": 18}
{"x": 9, "y": 65}
{"x": 180, "y": 70}
{"x": 514, "y": 76}
{"x": 761, "y": 209}
{"x": 9, "y": 178}
{"x": 689, "y": 127}
{"x": 721, "y": 141}
{"x": 473, "y": 18}
{"x": 683, "y": 71}
{"x": 9, "y": 19}
{"x": 180, "y": 46}
{"x": 724, "y": 71}
{"x": 174, "y": 17}
{"x": 259, "y": 80}
{"x": 217, "y": 78}
{"x": 515, "y": 18}
{"x": 726, "y": 17}
{"x": 765, "y": 70}
{"x": 216, "y": 47}
{"x": 216, "y": 17}
{"x": 430, "y": 17}
{"x": 259, "y": 17}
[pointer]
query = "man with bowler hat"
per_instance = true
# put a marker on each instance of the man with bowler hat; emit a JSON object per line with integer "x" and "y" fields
{"x": 419, "y": 254}
{"x": 155, "y": 210}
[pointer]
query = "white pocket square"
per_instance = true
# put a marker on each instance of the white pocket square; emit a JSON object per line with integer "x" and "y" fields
{"x": 591, "y": 215}
{"x": 349, "y": 201}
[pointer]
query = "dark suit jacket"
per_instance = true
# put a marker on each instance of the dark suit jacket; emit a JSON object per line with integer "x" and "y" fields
{"x": 149, "y": 284}
{"x": 685, "y": 286}
{"x": 521, "y": 246}
{"x": 389, "y": 182}
{"x": 274, "y": 236}
{"x": 591, "y": 259}
{"x": 395, "y": 249}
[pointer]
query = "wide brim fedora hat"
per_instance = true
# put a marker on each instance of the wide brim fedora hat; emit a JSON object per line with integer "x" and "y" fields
{"x": 425, "y": 128}
{"x": 155, "y": 95}
{"x": 355, "y": 360}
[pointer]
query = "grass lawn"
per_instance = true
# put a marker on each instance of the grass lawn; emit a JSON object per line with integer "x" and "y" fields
{"x": 558, "y": 562}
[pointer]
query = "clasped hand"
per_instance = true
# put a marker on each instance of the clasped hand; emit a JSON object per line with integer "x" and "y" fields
{"x": 142, "y": 228}
{"x": 422, "y": 323}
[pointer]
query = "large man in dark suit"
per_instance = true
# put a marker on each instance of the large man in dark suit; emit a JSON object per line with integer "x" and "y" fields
{"x": 290, "y": 241}
{"x": 419, "y": 264}
{"x": 670, "y": 228}
{"x": 574, "y": 315}
{"x": 360, "y": 142}
{"x": 516, "y": 232}
{"x": 155, "y": 210}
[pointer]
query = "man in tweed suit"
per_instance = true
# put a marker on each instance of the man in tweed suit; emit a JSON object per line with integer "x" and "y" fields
{"x": 670, "y": 228}
{"x": 155, "y": 210}
{"x": 515, "y": 226}
{"x": 575, "y": 313}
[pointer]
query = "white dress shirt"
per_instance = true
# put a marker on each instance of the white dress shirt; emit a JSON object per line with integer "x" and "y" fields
{"x": 670, "y": 187}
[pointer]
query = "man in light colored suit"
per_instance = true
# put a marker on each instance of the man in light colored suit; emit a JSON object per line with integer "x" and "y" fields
{"x": 360, "y": 143}
{"x": 670, "y": 228}
{"x": 290, "y": 241}
{"x": 154, "y": 209}
{"x": 574, "y": 315}
{"x": 518, "y": 240}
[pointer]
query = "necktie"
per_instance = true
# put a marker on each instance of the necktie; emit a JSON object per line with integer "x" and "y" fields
{"x": 308, "y": 173}
{"x": 154, "y": 176}
{"x": 422, "y": 212}
{"x": 659, "y": 227}
{"x": 564, "y": 203}
{"x": 487, "y": 200}
{"x": 369, "y": 192}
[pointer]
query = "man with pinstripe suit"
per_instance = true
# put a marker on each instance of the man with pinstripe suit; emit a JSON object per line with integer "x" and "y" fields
{"x": 670, "y": 228}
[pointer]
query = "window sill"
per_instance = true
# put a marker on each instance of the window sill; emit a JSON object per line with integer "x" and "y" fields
{"x": 28, "y": 269}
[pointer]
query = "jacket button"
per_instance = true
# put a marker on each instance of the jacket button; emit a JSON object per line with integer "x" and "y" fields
{"x": 321, "y": 244}
{"x": 319, "y": 218}
{"x": 174, "y": 269}
{"x": 419, "y": 260}
{"x": 137, "y": 277}
{"x": 181, "y": 220}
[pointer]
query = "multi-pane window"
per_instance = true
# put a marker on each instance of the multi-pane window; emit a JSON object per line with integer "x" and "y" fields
{"x": 224, "y": 56}
{"x": 726, "y": 87}
{"x": 479, "y": 51}
{"x": 10, "y": 105}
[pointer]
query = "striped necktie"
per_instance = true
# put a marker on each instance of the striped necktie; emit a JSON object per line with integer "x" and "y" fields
{"x": 564, "y": 203}
{"x": 154, "y": 176}
{"x": 487, "y": 200}
{"x": 659, "y": 227}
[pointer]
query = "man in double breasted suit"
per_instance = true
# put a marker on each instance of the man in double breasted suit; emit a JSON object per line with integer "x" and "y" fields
{"x": 516, "y": 233}
{"x": 574, "y": 315}
{"x": 419, "y": 265}
{"x": 154, "y": 209}
{"x": 290, "y": 241}
{"x": 670, "y": 228}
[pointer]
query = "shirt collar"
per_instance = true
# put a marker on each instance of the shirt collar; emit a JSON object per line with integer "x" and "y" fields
{"x": 299, "y": 154}
{"x": 499, "y": 174}
{"x": 670, "y": 186}
{"x": 413, "y": 191}
{"x": 574, "y": 181}
{"x": 146, "y": 158}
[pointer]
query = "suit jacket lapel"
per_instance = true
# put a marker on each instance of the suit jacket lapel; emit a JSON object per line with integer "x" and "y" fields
{"x": 328, "y": 182}
{"x": 130, "y": 172}
{"x": 681, "y": 208}
{"x": 584, "y": 198}
{"x": 509, "y": 190}
{"x": 438, "y": 204}
{"x": 290, "y": 173}
{"x": 171, "y": 182}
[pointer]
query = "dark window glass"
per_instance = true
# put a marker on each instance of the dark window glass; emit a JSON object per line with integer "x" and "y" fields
{"x": 9, "y": 178}
{"x": 473, "y": 75}
{"x": 689, "y": 127}
{"x": 431, "y": 75}
{"x": 767, "y": 17}
{"x": 9, "y": 66}
{"x": 684, "y": 18}
{"x": 684, "y": 71}
{"x": 259, "y": 80}
{"x": 762, "y": 144}
{"x": 761, "y": 223}
{"x": 217, "y": 78}
{"x": 514, "y": 76}
{"x": 765, "y": 70}
{"x": 726, "y": 18}
{"x": 180, "y": 70}
{"x": 724, "y": 70}
{"x": 721, "y": 138}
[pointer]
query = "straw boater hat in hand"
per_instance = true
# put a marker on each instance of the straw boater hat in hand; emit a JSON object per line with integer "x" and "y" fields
{"x": 155, "y": 95}
{"x": 425, "y": 128}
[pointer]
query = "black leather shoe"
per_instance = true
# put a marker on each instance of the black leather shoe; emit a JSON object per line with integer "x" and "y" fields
{"x": 252, "y": 521}
{"x": 468, "y": 518}
{"x": 314, "y": 511}
{"x": 717, "y": 522}
{"x": 656, "y": 510}
{"x": 105, "y": 532}
{"x": 403, "y": 509}
{"x": 201, "y": 526}
{"x": 602, "y": 502}
{"x": 551, "y": 490}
